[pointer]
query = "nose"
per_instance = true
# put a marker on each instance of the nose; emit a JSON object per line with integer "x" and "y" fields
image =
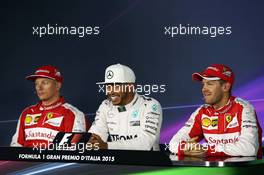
{"x": 204, "y": 88}
{"x": 38, "y": 87}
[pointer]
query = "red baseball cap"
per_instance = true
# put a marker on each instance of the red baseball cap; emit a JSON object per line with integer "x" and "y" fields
{"x": 215, "y": 72}
{"x": 46, "y": 72}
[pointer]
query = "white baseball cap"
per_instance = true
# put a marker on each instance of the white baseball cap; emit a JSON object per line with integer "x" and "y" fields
{"x": 118, "y": 73}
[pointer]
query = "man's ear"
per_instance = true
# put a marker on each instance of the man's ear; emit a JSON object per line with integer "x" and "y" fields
{"x": 226, "y": 87}
{"x": 58, "y": 86}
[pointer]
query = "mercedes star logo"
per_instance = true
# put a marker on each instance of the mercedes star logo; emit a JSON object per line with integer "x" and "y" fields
{"x": 109, "y": 74}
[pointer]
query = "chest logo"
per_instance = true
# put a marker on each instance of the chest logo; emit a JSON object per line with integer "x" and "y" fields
{"x": 206, "y": 122}
{"x": 135, "y": 114}
{"x": 214, "y": 122}
{"x": 228, "y": 118}
{"x": 155, "y": 107}
{"x": 28, "y": 119}
{"x": 36, "y": 119}
{"x": 110, "y": 74}
{"x": 55, "y": 121}
{"x": 31, "y": 119}
{"x": 49, "y": 115}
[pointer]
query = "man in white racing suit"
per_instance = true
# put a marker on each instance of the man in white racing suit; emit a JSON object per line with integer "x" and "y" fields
{"x": 126, "y": 120}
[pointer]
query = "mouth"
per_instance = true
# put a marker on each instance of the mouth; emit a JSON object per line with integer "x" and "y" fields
{"x": 207, "y": 94}
{"x": 40, "y": 93}
{"x": 113, "y": 97}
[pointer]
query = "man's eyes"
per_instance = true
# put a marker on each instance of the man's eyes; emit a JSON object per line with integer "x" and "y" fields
{"x": 44, "y": 82}
{"x": 209, "y": 83}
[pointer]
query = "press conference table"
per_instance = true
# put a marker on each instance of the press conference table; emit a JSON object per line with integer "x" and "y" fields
{"x": 215, "y": 161}
{"x": 146, "y": 162}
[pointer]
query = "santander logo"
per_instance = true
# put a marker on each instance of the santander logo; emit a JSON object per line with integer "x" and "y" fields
{"x": 211, "y": 140}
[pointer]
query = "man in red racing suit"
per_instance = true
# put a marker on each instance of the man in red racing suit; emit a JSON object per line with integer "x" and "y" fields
{"x": 39, "y": 124}
{"x": 230, "y": 127}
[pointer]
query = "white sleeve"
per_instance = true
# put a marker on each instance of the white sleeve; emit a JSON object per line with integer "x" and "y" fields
{"x": 99, "y": 126}
{"x": 19, "y": 135}
{"x": 248, "y": 143}
{"x": 18, "y": 138}
{"x": 148, "y": 134}
{"x": 79, "y": 124}
{"x": 192, "y": 126}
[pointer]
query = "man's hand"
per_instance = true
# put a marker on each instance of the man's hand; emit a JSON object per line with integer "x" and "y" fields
{"x": 192, "y": 148}
{"x": 96, "y": 140}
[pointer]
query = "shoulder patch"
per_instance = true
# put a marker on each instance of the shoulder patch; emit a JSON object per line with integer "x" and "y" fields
{"x": 146, "y": 98}
{"x": 106, "y": 102}
{"x": 73, "y": 109}
{"x": 242, "y": 102}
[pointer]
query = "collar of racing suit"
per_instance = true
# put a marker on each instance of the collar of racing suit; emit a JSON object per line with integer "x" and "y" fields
{"x": 129, "y": 105}
{"x": 56, "y": 104}
{"x": 223, "y": 109}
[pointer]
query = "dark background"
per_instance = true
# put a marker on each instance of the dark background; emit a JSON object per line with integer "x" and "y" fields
{"x": 131, "y": 33}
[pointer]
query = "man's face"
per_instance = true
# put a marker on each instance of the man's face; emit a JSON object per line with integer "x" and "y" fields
{"x": 117, "y": 93}
{"x": 212, "y": 91}
{"x": 46, "y": 88}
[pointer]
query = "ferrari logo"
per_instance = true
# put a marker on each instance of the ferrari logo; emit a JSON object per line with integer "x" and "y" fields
{"x": 228, "y": 118}
{"x": 49, "y": 115}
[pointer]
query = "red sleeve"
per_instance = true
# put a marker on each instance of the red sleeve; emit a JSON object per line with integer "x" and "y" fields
{"x": 211, "y": 152}
{"x": 197, "y": 130}
{"x": 180, "y": 150}
{"x": 68, "y": 121}
{"x": 74, "y": 121}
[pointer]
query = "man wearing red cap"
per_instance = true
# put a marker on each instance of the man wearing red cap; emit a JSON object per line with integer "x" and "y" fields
{"x": 39, "y": 124}
{"x": 228, "y": 124}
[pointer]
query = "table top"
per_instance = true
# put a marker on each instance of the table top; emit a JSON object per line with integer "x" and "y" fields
{"x": 215, "y": 161}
